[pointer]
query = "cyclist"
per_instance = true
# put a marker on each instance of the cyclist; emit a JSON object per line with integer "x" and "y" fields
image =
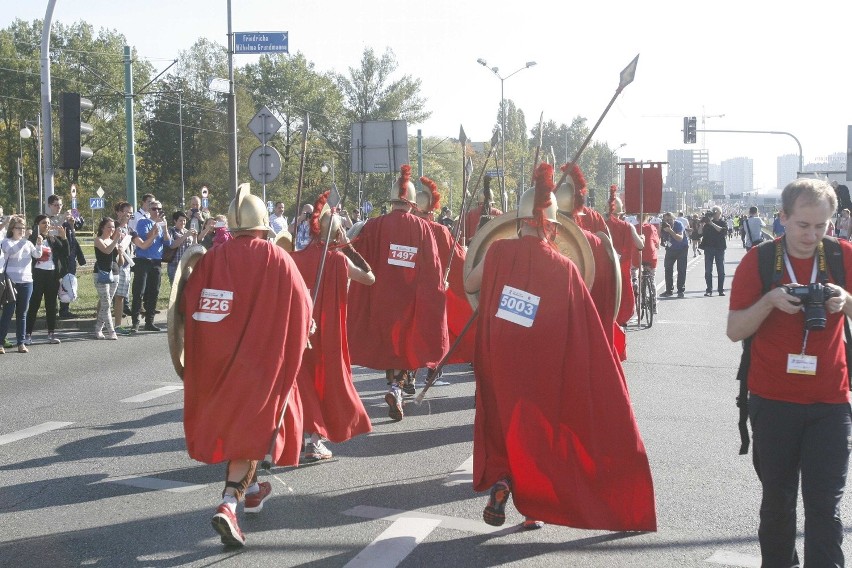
{"x": 647, "y": 257}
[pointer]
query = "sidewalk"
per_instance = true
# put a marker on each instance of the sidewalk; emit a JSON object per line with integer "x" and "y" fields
{"x": 88, "y": 324}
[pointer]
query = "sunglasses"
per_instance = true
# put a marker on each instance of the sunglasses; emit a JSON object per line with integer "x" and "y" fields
{"x": 155, "y": 208}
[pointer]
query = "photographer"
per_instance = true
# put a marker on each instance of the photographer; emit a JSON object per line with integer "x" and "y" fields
{"x": 713, "y": 242}
{"x": 798, "y": 382}
{"x": 303, "y": 229}
{"x": 674, "y": 239}
{"x": 196, "y": 216}
{"x": 151, "y": 235}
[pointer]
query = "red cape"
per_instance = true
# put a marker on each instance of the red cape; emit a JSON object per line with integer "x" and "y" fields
{"x": 471, "y": 221}
{"x": 330, "y": 404}
{"x": 459, "y": 311}
{"x": 622, "y": 240}
{"x": 242, "y": 353}
{"x": 592, "y": 221}
{"x": 603, "y": 288}
{"x": 566, "y": 434}
{"x": 399, "y": 322}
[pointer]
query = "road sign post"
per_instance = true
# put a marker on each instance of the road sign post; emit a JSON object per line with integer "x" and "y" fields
{"x": 265, "y": 161}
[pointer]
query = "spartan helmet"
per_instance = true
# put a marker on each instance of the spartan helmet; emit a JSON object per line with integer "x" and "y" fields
{"x": 526, "y": 203}
{"x": 565, "y": 195}
{"x": 403, "y": 190}
{"x": 619, "y": 206}
{"x": 424, "y": 200}
{"x": 247, "y": 212}
{"x": 326, "y": 217}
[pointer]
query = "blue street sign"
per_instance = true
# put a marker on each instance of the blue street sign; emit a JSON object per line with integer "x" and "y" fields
{"x": 270, "y": 206}
{"x": 494, "y": 173}
{"x": 368, "y": 207}
{"x": 254, "y": 43}
{"x": 96, "y": 203}
{"x": 205, "y": 202}
{"x": 74, "y": 202}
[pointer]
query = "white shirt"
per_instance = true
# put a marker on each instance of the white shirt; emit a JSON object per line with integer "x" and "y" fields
{"x": 278, "y": 223}
{"x": 20, "y": 254}
{"x": 138, "y": 216}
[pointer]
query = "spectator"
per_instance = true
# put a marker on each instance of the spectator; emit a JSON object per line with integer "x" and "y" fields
{"x": 123, "y": 213}
{"x": 75, "y": 253}
{"x": 713, "y": 230}
{"x": 753, "y": 228}
{"x": 106, "y": 257}
{"x": 182, "y": 239}
{"x": 446, "y": 219}
{"x": 197, "y": 216}
{"x": 151, "y": 234}
{"x": 48, "y": 270}
{"x": 18, "y": 255}
{"x": 777, "y": 226}
{"x": 208, "y": 231}
{"x": 301, "y": 227}
{"x": 843, "y": 225}
{"x": 142, "y": 212}
{"x": 278, "y": 222}
{"x": 220, "y": 230}
{"x": 694, "y": 235}
{"x": 674, "y": 239}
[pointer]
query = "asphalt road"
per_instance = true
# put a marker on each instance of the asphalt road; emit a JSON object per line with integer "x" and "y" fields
{"x": 94, "y": 472}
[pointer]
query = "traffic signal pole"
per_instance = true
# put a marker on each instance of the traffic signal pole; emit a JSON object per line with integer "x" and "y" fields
{"x": 801, "y": 155}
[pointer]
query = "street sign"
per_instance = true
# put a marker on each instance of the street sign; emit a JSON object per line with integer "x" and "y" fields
{"x": 204, "y": 191}
{"x": 73, "y": 192}
{"x": 494, "y": 173}
{"x": 264, "y": 125}
{"x": 270, "y": 206}
{"x": 73, "y": 201}
{"x": 254, "y": 43}
{"x": 367, "y": 207}
{"x": 100, "y": 192}
{"x": 205, "y": 202}
{"x": 96, "y": 203}
{"x": 264, "y": 164}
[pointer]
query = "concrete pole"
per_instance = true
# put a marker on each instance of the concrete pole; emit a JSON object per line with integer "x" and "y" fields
{"x": 130, "y": 152}
{"x": 232, "y": 114}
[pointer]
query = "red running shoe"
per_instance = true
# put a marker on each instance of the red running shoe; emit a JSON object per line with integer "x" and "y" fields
{"x": 495, "y": 512}
{"x": 225, "y": 523}
{"x": 254, "y": 502}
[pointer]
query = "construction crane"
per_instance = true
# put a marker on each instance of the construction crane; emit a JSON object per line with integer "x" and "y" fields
{"x": 704, "y": 118}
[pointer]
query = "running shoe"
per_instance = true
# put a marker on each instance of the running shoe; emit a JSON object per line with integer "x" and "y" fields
{"x": 394, "y": 400}
{"x": 315, "y": 452}
{"x": 253, "y": 502}
{"x": 123, "y": 331}
{"x": 225, "y": 523}
{"x": 494, "y": 513}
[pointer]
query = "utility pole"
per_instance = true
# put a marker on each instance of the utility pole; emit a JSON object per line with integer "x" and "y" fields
{"x": 130, "y": 151}
{"x": 232, "y": 113}
{"x": 46, "y": 104}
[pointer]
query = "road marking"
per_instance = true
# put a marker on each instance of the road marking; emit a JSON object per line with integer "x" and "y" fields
{"x": 32, "y": 431}
{"x": 395, "y": 543}
{"x": 146, "y": 396}
{"x": 462, "y": 475}
{"x": 734, "y": 559}
{"x": 454, "y": 523}
{"x": 154, "y": 483}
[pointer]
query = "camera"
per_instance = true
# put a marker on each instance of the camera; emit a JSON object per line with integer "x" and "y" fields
{"x": 813, "y": 297}
{"x": 708, "y": 215}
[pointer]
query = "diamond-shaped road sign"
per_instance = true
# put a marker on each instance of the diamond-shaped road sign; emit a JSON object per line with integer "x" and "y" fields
{"x": 264, "y": 125}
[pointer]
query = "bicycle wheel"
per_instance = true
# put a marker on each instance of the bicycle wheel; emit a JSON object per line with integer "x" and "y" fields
{"x": 638, "y": 301}
{"x": 650, "y": 296}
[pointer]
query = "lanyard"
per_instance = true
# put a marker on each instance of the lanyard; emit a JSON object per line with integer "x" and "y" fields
{"x": 819, "y": 265}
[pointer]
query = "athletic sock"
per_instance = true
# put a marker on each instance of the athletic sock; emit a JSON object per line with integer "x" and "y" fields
{"x": 231, "y": 502}
{"x": 253, "y": 488}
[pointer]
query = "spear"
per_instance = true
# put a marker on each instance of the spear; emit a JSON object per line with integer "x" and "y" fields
{"x": 301, "y": 176}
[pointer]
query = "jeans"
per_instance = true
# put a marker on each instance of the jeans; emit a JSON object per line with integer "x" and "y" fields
{"x": 45, "y": 285}
{"x": 716, "y": 255}
{"x": 24, "y": 291}
{"x": 146, "y": 282}
{"x": 813, "y": 439}
{"x": 679, "y": 256}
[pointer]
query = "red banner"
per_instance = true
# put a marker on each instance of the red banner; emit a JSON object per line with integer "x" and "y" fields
{"x": 648, "y": 193}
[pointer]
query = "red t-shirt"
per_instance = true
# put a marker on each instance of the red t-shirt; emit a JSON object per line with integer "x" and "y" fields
{"x": 652, "y": 243}
{"x": 781, "y": 334}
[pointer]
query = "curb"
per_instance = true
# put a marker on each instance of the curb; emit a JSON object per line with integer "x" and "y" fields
{"x": 88, "y": 324}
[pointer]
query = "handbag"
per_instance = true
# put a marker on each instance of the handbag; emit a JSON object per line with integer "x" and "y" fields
{"x": 8, "y": 294}
{"x": 104, "y": 277}
{"x": 169, "y": 252}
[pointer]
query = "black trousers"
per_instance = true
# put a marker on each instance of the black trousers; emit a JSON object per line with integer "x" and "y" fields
{"x": 679, "y": 256}
{"x": 811, "y": 440}
{"x": 145, "y": 288}
{"x": 45, "y": 285}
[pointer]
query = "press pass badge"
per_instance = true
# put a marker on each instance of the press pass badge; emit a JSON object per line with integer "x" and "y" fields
{"x": 401, "y": 255}
{"x": 801, "y": 364}
{"x": 518, "y": 306}
{"x": 213, "y": 305}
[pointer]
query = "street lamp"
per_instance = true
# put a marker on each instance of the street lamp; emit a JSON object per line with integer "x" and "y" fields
{"x": 496, "y": 71}
{"x": 26, "y": 133}
{"x": 614, "y": 170}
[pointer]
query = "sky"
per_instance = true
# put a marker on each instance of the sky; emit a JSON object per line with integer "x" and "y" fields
{"x": 735, "y": 65}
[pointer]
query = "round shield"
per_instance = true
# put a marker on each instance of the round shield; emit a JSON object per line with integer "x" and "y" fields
{"x": 356, "y": 229}
{"x": 615, "y": 267}
{"x": 176, "y": 321}
{"x": 570, "y": 240}
{"x": 284, "y": 240}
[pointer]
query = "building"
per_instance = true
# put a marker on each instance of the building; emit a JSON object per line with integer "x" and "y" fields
{"x": 688, "y": 170}
{"x": 738, "y": 175}
{"x": 787, "y": 169}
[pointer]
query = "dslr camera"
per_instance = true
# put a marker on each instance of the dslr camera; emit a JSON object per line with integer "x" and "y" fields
{"x": 813, "y": 297}
{"x": 708, "y": 215}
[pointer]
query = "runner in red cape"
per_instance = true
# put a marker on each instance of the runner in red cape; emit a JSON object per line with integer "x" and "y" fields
{"x": 400, "y": 323}
{"x": 247, "y": 316}
{"x": 331, "y": 407}
{"x": 625, "y": 239}
{"x": 565, "y": 442}
{"x": 459, "y": 311}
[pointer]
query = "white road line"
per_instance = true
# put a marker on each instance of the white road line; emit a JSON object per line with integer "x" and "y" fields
{"x": 146, "y": 396}
{"x": 454, "y": 523}
{"x": 462, "y": 475}
{"x": 729, "y": 558}
{"x": 154, "y": 483}
{"x": 32, "y": 431}
{"x": 395, "y": 543}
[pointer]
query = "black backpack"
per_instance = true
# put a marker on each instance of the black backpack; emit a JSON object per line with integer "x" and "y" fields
{"x": 770, "y": 277}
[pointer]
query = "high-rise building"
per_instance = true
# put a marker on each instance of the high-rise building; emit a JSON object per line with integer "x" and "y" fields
{"x": 688, "y": 170}
{"x": 738, "y": 175}
{"x": 788, "y": 165}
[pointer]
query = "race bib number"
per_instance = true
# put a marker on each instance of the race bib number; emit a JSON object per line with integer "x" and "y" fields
{"x": 214, "y": 305}
{"x": 518, "y": 306}
{"x": 401, "y": 255}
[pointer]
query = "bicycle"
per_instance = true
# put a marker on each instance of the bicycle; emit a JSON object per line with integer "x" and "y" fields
{"x": 646, "y": 296}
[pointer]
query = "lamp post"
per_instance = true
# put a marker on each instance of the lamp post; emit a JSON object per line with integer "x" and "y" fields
{"x": 614, "y": 171}
{"x": 26, "y": 133}
{"x": 324, "y": 169}
{"x": 496, "y": 71}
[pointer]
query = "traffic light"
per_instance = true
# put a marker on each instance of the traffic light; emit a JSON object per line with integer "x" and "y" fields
{"x": 72, "y": 129}
{"x": 689, "y": 130}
